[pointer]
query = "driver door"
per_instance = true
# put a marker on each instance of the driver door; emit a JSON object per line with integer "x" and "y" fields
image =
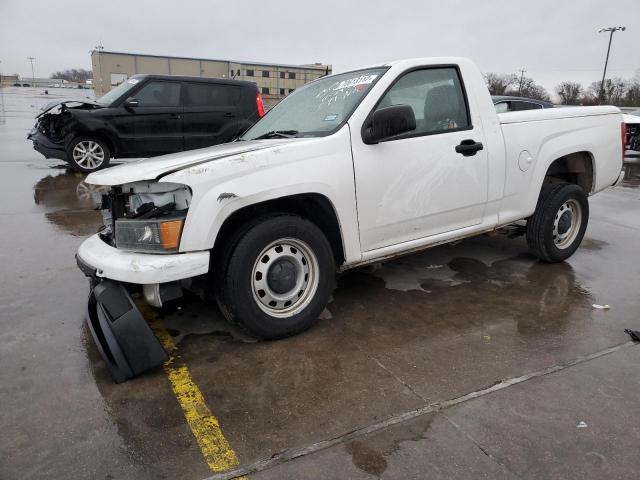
{"x": 416, "y": 185}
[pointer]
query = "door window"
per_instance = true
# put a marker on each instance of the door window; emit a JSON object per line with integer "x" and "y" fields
{"x": 159, "y": 94}
{"x": 503, "y": 107}
{"x": 212, "y": 95}
{"x": 437, "y": 99}
{"x": 518, "y": 105}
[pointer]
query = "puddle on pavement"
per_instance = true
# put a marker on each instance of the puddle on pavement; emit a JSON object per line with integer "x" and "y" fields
{"x": 68, "y": 202}
{"x": 369, "y": 453}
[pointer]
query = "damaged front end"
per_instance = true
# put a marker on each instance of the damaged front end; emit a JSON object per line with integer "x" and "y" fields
{"x": 54, "y": 124}
{"x": 142, "y": 221}
{"x": 123, "y": 337}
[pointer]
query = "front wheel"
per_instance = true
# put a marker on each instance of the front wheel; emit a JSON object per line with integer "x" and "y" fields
{"x": 86, "y": 154}
{"x": 278, "y": 277}
{"x": 556, "y": 228}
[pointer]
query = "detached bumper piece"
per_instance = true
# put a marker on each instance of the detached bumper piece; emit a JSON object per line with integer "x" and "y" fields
{"x": 125, "y": 341}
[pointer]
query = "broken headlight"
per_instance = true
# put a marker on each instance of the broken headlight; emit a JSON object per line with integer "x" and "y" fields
{"x": 154, "y": 235}
{"x": 145, "y": 216}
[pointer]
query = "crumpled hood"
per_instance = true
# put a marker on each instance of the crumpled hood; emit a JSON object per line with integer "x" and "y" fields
{"x": 68, "y": 102}
{"x": 153, "y": 168}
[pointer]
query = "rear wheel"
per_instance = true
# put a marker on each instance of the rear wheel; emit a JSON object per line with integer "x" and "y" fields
{"x": 278, "y": 277}
{"x": 556, "y": 228}
{"x": 87, "y": 154}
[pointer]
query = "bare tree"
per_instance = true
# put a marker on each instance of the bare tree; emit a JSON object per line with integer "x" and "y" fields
{"x": 570, "y": 93}
{"x": 79, "y": 75}
{"x": 529, "y": 89}
{"x": 498, "y": 83}
{"x": 613, "y": 93}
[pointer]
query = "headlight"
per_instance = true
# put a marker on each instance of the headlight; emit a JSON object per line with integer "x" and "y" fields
{"x": 160, "y": 235}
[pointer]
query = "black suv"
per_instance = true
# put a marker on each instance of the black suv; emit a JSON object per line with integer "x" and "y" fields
{"x": 144, "y": 116}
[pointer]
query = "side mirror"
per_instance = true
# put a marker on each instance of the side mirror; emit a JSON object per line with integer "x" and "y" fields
{"x": 388, "y": 122}
{"x": 131, "y": 102}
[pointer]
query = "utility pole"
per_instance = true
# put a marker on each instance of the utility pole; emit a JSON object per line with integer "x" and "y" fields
{"x": 33, "y": 76}
{"x": 604, "y": 73}
{"x": 522, "y": 70}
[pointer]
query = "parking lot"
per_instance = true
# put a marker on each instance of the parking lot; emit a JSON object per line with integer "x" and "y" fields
{"x": 469, "y": 360}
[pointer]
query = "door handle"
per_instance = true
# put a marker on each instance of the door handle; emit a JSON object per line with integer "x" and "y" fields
{"x": 174, "y": 116}
{"x": 469, "y": 147}
{"x": 229, "y": 114}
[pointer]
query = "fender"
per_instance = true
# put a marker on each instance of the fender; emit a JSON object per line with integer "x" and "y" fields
{"x": 321, "y": 165}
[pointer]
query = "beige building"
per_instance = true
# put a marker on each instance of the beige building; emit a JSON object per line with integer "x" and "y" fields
{"x": 274, "y": 81}
{"x": 9, "y": 80}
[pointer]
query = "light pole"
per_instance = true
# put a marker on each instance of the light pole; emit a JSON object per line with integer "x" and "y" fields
{"x": 33, "y": 76}
{"x": 522, "y": 70}
{"x": 611, "y": 30}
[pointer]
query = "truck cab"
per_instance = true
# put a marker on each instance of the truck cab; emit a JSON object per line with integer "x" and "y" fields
{"x": 350, "y": 169}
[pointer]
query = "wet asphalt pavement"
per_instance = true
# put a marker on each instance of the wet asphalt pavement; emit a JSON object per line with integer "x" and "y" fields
{"x": 551, "y": 383}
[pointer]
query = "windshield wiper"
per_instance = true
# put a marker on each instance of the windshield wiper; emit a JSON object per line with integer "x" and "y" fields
{"x": 278, "y": 133}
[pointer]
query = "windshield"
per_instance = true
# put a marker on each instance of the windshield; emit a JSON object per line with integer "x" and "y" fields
{"x": 113, "y": 94}
{"x": 318, "y": 108}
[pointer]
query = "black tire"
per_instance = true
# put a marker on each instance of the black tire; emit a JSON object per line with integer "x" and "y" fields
{"x": 563, "y": 203}
{"x": 235, "y": 272}
{"x": 99, "y": 160}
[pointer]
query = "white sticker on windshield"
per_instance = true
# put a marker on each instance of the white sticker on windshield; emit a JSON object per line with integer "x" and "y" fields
{"x": 133, "y": 81}
{"x": 361, "y": 80}
{"x": 331, "y": 118}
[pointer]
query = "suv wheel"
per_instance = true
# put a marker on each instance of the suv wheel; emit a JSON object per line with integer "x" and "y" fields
{"x": 556, "y": 228}
{"x": 277, "y": 278}
{"x": 87, "y": 154}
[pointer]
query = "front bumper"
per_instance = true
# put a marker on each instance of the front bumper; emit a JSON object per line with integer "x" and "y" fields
{"x": 123, "y": 337}
{"x": 46, "y": 147}
{"x": 94, "y": 255}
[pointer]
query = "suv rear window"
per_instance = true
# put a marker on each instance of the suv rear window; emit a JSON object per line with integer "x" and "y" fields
{"x": 159, "y": 94}
{"x": 212, "y": 95}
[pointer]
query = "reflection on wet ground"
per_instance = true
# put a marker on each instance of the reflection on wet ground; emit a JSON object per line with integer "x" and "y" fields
{"x": 69, "y": 202}
{"x": 397, "y": 336}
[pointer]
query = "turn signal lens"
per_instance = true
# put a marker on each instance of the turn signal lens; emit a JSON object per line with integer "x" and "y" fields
{"x": 170, "y": 234}
{"x": 153, "y": 235}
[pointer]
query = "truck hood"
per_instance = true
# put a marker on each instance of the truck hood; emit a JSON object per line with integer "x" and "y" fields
{"x": 71, "y": 103}
{"x": 154, "y": 168}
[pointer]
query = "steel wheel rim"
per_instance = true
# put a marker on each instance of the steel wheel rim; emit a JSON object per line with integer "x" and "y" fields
{"x": 287, "y": 252}
{"x": 566, "y": 224}
{"x": 88, "y": 154}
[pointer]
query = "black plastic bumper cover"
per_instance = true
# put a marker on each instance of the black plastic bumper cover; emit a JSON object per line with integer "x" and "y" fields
{"x": 125, "y": 341}
{"x": 46, "y": 147}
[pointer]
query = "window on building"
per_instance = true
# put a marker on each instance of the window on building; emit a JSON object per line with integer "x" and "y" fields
{"x": 292, "y": 75}
{"x": 265, "y": 73}
{"x": 212, "y": 95}
{"x": 436, "y": 96}
{"x": 249, "y": 73}
{"x": 282, "y": 91}
{"x": 281, "y": 74}
{"x": 265, "y": 90}
{"x": 159, "y": 94}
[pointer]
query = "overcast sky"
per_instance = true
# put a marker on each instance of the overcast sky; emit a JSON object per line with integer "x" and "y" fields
{"x": 553, "y": 40}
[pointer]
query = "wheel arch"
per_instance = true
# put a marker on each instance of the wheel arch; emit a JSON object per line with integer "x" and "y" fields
{"x": 312, "y": 206}
{"x": 574, "y": 167}
{"x": 97, "y": 134}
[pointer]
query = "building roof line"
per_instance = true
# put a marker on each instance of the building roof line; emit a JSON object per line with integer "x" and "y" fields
{"x": 321, "y": 67}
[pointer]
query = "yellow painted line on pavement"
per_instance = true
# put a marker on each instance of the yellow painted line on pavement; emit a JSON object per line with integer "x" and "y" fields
{"x": 204, "y": 425}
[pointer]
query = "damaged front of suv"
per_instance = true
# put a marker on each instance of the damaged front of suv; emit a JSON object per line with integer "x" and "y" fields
{"x": 57, "y": 122}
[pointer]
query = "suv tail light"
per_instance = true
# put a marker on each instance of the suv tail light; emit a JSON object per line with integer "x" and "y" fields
{"x": 260, "y": 105}
{"x": 623, "y": 137}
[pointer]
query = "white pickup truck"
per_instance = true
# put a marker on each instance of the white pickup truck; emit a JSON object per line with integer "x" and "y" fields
{"x": 350, "y": 169}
